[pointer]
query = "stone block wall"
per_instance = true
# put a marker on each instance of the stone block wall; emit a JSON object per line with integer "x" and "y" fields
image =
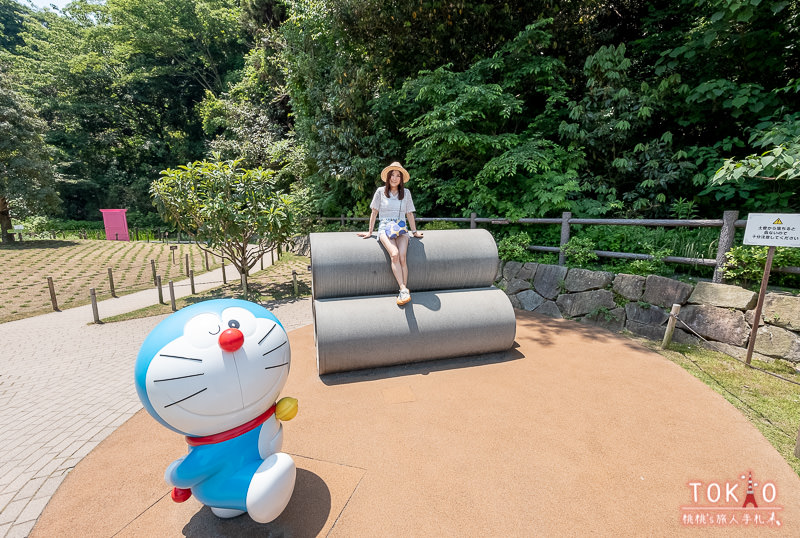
{"x": 722, "y": 314}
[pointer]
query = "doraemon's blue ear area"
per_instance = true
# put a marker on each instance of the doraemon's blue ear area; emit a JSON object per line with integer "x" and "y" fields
{"x": 174, "y": 326}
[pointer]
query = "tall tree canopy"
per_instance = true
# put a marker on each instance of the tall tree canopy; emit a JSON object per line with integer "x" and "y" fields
{"x": 26, "y": 175}
{"x": 509, "y": 108}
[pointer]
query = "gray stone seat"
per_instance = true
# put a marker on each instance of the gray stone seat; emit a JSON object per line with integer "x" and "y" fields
{"x": 455, "y": 310}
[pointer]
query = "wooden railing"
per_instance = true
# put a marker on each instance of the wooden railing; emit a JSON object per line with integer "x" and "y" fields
{"x": 727, "y": 225}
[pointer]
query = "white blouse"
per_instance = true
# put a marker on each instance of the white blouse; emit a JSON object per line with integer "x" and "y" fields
{"x": 392, "y": 207}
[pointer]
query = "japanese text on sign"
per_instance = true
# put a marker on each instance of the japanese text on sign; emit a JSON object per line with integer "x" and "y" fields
{"x": 772, "y": 230}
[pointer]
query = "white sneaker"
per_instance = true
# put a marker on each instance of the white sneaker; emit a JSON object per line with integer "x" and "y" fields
{"x": 404, "y": 297}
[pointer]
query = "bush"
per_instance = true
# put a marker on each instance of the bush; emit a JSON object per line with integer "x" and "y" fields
{"x": 579, "y": 252}
{"x": 515, "y": 248}
{"x": 745, "y": 265}
{"x": 441, "y": 225}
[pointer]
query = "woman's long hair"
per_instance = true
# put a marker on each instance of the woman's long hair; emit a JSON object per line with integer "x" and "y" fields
{"x": 401, "y": 189}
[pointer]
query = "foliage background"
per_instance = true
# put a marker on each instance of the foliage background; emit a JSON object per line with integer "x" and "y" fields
{"x": 509, "y": 108}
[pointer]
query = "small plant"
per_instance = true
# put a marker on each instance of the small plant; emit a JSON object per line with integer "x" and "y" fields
{"x": 620, "y": 300}
{"x": 441, "y": 225}
{"x": 580, "y": 252}
{"x": 604, "y": 312}
{"x": 515, "y": 248}
{"x": 643, "y": 304}
{"x": 683, "y": 209}
{"x": 745, "y": 264}
{"x": 655, "y": 265}
{"x": 562, "y": 286}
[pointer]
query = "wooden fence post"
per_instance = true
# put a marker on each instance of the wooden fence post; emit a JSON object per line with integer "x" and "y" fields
{"x": 673, "y": 318}
{"x": 272, "y": 255}
{"x": 52, "y": 293}
{"x": 93, "y": 297}
{"x": 751, "y": 344}
{"x": 191, "y": 281}
{"x": 797, "y": 446}
{"x": 342, "y": 220}
{"x": 187, "y": 265}
{"x": 565, "y": 216}
{"x": 172, "y": 296}
{"x": 472, "y": 223}
{"x": 153, "y": 267}
{"x": 111, "y": 282}
{"x": 726, "y": 236}
{"x": 224, "y": 276}
{"x": 294, "y": 282}
{"x": 206, "y": 253}
{"x": 160, "y": 290}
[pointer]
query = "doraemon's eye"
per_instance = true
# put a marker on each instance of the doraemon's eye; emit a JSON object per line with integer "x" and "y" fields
{"x": 202, "y": 330}
{"x": 239, "y": 318}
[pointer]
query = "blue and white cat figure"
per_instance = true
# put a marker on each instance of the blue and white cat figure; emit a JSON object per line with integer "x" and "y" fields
{"x": 212, "y": 372}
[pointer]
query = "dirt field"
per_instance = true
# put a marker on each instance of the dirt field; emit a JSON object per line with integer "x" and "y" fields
{"x": 78, "y": 265}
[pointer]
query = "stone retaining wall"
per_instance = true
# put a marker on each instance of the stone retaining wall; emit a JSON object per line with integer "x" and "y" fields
{"x": 720, "y": 313}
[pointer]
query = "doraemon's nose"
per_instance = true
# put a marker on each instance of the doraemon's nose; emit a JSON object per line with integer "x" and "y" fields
{"x": 231, "y": 339}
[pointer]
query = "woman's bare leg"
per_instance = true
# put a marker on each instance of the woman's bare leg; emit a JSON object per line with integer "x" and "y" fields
{"x": 402, "y": 247}
{"x": 394, "y": 253}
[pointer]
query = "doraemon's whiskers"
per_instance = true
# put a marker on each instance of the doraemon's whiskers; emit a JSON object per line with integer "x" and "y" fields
{"x": 174, "y": 378}
{"x": 265, "y": 336}
{"x": 184, "y": 358}
{"x": 183, "y": 399}
{"x": 276, "y": 366}
{"x": 273, "y": 349}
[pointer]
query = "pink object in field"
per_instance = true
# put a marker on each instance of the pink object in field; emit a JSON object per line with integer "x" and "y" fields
{"x": 116, "y": 224}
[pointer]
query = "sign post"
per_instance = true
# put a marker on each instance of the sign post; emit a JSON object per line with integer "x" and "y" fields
{"x": 769, "y": 230}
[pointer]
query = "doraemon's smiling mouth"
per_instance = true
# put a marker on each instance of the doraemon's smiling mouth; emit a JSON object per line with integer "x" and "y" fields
{"x": 220, "y": 372}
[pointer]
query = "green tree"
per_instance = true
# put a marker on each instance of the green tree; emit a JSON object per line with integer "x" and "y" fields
{"x": 478, "y": 140}
{"x": 27, "y": 182}
{"x": 229, "y": 211}
{"x": 630, "y": 166}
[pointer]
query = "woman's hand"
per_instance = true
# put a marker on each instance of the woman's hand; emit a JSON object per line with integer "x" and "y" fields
{"x": 417, "y": 234}
{"x": 364, "y": 234}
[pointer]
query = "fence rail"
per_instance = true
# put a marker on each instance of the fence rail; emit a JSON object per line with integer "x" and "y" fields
{"x": 727, "y": 225}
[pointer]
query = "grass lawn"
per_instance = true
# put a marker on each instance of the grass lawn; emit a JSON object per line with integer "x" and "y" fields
{"x": 275, "y": 283}
{"x": 76, "y": 265}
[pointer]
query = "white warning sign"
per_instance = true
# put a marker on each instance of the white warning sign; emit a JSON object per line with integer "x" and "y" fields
{"x": 773, "y": 229}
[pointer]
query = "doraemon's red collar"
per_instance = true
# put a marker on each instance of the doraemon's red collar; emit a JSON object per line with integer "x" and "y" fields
{"x": 233, "y": 432}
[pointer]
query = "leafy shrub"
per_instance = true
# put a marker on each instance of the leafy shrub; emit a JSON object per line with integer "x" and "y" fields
{"x": 39, "y": 224}
{"x": 515, "y": 248}
{"x": 653, "y": 266}
{"x": 441, "y": 225}
{"x": 579, "y": 252}
{"x": 745, "y": 265}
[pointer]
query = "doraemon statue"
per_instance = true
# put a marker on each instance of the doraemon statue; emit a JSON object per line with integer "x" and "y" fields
{"x": 212, "y": 372}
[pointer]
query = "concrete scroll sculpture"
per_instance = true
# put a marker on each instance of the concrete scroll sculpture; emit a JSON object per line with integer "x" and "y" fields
{"x": 455, "y": 311}
{"x": 212, "y": 372}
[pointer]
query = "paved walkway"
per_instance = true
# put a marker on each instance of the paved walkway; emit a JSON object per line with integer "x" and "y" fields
{"x": 66, "y": 384}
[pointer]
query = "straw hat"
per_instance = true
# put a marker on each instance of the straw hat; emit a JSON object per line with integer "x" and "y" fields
{"x": 394, "y": 166}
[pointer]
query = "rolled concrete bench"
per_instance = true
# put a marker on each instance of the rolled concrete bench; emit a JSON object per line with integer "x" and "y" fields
{"x": 454, "y": 310}
{"x": 365, "y": 332}
{"x": 345, "y": 265}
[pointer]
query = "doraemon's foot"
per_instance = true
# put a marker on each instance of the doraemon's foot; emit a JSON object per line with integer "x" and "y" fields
{"x": 226, "y": 512}
{"x": 271, "y": 487}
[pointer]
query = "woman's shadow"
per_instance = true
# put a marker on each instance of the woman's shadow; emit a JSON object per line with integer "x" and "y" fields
{"x": 305, "y": 515}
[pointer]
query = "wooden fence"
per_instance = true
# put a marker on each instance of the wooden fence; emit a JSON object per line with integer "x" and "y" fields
{"x": 727, "y": 225}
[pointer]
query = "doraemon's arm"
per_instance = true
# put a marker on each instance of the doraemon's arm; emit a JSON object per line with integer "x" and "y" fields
{"x": 196, "y": 466}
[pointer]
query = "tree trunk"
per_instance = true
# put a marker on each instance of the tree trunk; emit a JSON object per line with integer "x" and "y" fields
{"x": 5, "y": 222}
{"x": 243, "y": 275}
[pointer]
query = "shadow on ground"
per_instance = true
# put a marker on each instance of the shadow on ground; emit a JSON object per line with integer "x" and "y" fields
{"x": 306, "y": 515}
